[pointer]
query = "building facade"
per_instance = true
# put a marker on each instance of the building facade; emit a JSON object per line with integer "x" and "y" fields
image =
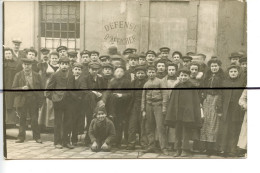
{"x": 214, "y": 27}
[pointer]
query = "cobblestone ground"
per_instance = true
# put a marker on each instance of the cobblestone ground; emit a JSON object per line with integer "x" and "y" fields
{"x": 32, "y": 150}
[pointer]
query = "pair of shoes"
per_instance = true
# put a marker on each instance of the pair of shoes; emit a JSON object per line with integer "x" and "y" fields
{"x": 68, "y": 146}
{"x": 58, "y": 146}
{"x": 19, "y": 141}
{"x": 178, "y": 153}
{"x": 38, "y": 141}
{"x": 130, "y": 147}
{"x": 165, "y": 152}
{"x": 185, "y": 153}
{"x": 149, "y": 150}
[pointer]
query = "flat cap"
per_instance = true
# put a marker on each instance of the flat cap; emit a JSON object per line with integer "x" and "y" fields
{"x": 140, "y": 68}
{"x": 141, "y": 55}
{"x": 129, "y": 51}
{"x": 64, "y": 59}
{"x": 61, "y": 48}
{"x": 84, "y": 52}
{"x": 45, "y": 51}
{"x": 133, "y": 56}
{"x": 151, "y": 52}
{"x": 108, "y": 65}
{"x": 94, "y": 65}
{"x": 235, "y": 55}
{"x": 233, "y": 66}
{"x": 116, "y": 57}
{"x": 243, "y": 59}
{"x": 17, "y": 40}
{"x": 77, "y": 64}
{"x": 94, "y": 52}
{"x": 26, "y": 60}
{"x": 104, "y": 57}
{"x": 164, "y": 49}
{"x": 186, "y": 58}
{"x": 72, "y": 53}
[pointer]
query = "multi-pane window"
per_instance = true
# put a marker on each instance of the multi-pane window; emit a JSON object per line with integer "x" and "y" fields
{"x": 60, "y": 24}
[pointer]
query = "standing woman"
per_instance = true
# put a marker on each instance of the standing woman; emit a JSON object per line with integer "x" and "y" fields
{"x": 46, "y": 118}
{"x": 211, "y": 105}
{"x": 232, "y": 115}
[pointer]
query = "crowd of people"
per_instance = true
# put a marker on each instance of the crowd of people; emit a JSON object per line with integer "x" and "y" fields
{"x": 159, "y": 101}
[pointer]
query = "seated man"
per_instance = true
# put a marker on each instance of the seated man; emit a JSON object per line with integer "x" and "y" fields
{"x": 101, "y": 131}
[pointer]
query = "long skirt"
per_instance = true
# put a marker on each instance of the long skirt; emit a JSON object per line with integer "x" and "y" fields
{"x": 46, "y": 118}
{"x": 242, "y": 141}
{"x": 210, "y": 128}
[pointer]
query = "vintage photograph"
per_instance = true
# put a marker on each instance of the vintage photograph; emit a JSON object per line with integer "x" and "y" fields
{"x": 124, "y": 79}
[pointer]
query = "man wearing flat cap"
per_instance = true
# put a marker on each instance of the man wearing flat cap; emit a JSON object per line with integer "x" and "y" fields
{"x": 107, "y": 72}
{"x": 28, "y": 102}
{"x": 85, "y": 60}
{"x": 133, "y": 62}
{"x": 104, "y": 59}
{"x": 63, "y": 110}
{"x": 150, "y": 57}
{"x": 186, "y": 60}
{"x": 94, "y": 81}
{"x": 73, "y": 57}
{"x": 164, "y": 53}
{"x": 18, "y": 54}
{"x": 62, "y": 50}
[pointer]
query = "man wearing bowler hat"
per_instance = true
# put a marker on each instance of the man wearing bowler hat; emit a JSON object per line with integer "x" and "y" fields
{"x": 28, "y": 102}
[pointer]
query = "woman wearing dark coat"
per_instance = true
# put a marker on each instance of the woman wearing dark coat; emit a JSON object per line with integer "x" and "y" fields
{"x": 232, "y": 114}
{"x": 10, "y": 65}
{"x": 184, "y": 113}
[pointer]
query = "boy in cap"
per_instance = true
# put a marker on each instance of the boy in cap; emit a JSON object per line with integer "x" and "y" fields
{"x": 101, "y": 131}
{"x": 94, "y": 56}
{"x": 141, "y": 59}
{"x": 136, "y": 125}
{"x": 164, "y": 53}
{"x": 28, "y": 102}
{"x": 77, "y": 104}
{"x": 186, "y": 61}
{"x": 118, "y": 102}
{"x": 150, "y": 57}
{"x": 107, "y": 72}
{"x": 153, "y": 109}
{"x": 62, "y": 50}
{"x": 94, "y": 81}
{"x": 62, "y": 79}
{"x": 183, "y": 113}
{"x": 132, "y": 61}
{"x": 161, "y": 66}
{"x": 85, "y": 60}
{"x": 72, "y": 57}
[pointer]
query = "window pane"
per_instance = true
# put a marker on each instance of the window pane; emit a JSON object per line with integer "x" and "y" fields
{"x": 43, "y": 16}
{"x": 43, "y": 29}
{"x": 56, "y": 26}
{"x": 71, "y": 27}
{"x": 72, "y": 10}
{"x": 49, "y": 26}
{"x": 57, "y": 9}
{"x": 48, "y": 34}
{"x": 64, "y": 26}
{"x": 63, "y": 34}
{"x": 56, "y": 18}
{"x": 49, "y": 9}
{"x": 64, "y": 18}
{"x": 49, "y": 18}
{"x": 56, "y": 34}
{"x": 71, "y": 34}
{"x": 64, "y": 9}
{"x": 72, "y": 18}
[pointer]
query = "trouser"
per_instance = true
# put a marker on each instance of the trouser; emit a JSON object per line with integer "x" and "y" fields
{"x": 90, "y": 106}
{"x": 155, "y": 121}
{"x": 183, "y": 135}
{"x": 135, "y": 125}
{"x": 30, "y": 107}
{"x": 77, "y": 118}
{"x": 99, "y": 145}
{"x": 62, "y": 121}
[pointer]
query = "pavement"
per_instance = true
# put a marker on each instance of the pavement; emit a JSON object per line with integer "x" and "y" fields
{"x": 32, "y": 150}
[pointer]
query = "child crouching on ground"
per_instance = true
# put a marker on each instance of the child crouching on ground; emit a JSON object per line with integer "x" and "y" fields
{"x": 101, "y": 131}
